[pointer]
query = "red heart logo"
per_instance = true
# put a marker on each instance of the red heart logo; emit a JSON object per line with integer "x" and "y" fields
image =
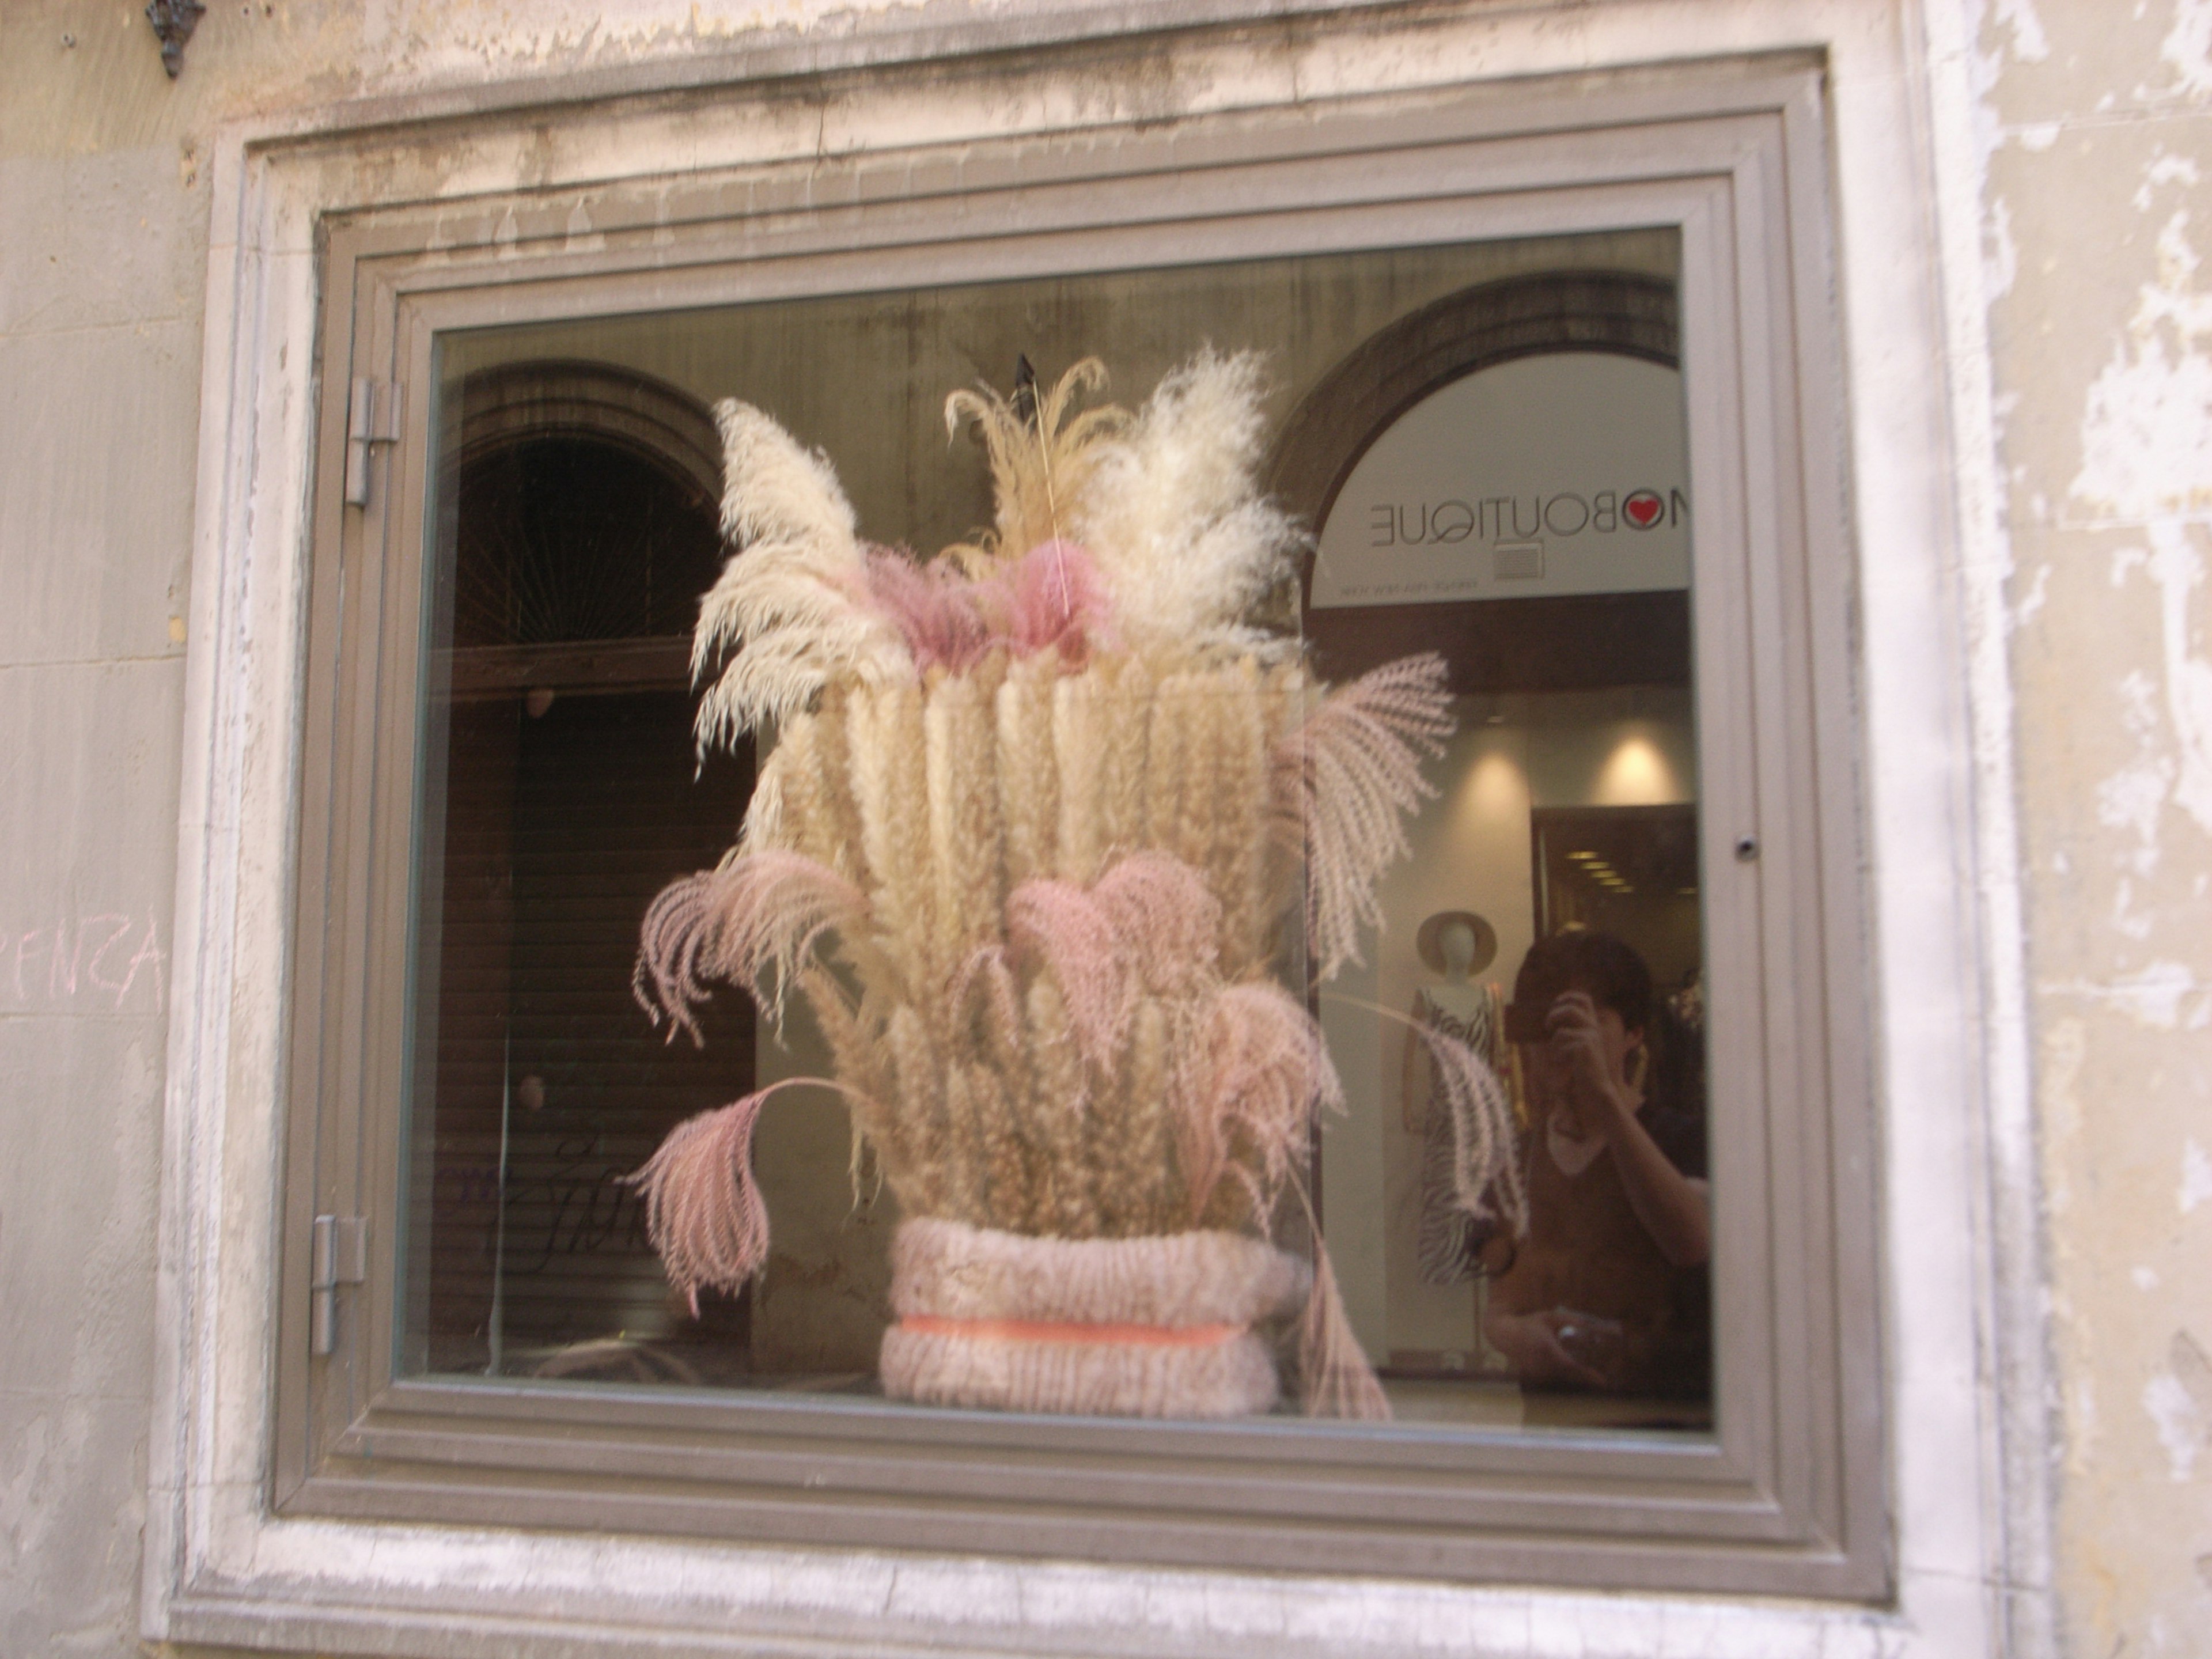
{"x": 1644, "y": 508}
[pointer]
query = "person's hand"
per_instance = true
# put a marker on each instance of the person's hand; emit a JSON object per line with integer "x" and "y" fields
{"x": 1596, "y": 1082}
{"x": 1533, "y": 1344}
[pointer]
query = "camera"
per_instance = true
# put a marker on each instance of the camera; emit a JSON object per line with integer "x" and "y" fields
{"x": 1527, "y": 1022}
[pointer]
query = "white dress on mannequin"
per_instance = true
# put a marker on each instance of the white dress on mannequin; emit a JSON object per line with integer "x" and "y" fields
{"x": 1468, "y": 1011}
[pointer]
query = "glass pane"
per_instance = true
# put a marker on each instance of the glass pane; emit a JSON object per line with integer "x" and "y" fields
{"x": 1531, "y": 519}
{"x": 561, "y": 798}
{"x": 1029, "y": 1066}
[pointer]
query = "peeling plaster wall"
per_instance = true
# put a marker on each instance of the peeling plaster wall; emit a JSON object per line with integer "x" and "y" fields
{"x": 2097, "y": 128}
{"x": 2096, "y": 199}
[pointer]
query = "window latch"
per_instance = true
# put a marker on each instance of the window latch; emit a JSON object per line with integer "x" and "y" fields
{"x": 340, "y": 1257}
{"x": 371, "y": 418}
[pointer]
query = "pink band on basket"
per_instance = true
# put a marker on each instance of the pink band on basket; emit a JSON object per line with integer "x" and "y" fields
{"x": 1059, "y": 1330}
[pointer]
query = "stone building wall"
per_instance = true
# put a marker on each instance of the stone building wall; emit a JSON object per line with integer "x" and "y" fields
{"x": 2097, "y": 219}
{"x": 2089, "y": 179}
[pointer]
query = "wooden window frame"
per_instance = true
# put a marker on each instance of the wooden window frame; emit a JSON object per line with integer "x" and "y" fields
{"x": 1789, "y": 1497}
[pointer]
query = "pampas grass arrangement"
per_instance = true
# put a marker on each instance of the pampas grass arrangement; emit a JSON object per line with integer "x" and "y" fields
{"x": 1058, "y": 808}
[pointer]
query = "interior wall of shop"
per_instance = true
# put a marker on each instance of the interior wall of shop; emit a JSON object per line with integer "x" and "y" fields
{"x": 2076, "y": 213}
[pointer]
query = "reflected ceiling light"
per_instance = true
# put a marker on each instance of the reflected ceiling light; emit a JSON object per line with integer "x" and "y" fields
{"x": 1638, "y": 773}
{"x": 1495, "y": 788}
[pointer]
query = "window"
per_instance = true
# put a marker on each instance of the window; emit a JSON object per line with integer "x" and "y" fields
{"x": 492, "y": 668}
{"x": 567, "y": 775}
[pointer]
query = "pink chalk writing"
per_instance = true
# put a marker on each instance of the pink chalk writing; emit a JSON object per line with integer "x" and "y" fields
{"x": 111, "y": 958}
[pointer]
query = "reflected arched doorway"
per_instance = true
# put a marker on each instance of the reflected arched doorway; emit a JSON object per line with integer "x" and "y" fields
{"x": 1518, "y": 644}
{"x": 578, "y": 529}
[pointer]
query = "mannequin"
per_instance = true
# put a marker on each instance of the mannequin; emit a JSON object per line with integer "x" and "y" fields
{"x": 1455, "y": 946}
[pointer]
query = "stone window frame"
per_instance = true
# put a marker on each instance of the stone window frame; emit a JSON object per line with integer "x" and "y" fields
{"x": 235, "y": 1402}
{"x": 1786, "y": 1495}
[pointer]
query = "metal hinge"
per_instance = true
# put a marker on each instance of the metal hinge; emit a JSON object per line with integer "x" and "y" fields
{"x": 340, "y": 1257}
{"x": 371, "y": 418}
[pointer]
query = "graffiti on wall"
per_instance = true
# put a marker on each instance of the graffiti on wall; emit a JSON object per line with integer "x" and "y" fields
{"x": 113, "y": 959}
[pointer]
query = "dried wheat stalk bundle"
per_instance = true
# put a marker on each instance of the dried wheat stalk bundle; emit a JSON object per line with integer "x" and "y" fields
{"x": 1060, "y": 812}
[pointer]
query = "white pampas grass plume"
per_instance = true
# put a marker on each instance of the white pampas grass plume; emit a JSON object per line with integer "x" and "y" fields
{"x": 1062, "y": 1104}
{"x": 764, "y": 813}
{"x": 1172, "y": 511}
{"x": 1124, "y": 722}
{"x": 775, "y": 490}
{"x": 751, "y": 922}
{"x": 887, "y": 792}
{"x": 1486, "y": 1178}
{"x": 786, "y": 603}
{"x": 1076, "y": 743}
{"x": 1042, "y": 458}
{"x": 1341, "y": 783}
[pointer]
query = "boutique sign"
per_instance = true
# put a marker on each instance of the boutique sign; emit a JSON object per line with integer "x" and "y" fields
{"x": 1557, "y": 474}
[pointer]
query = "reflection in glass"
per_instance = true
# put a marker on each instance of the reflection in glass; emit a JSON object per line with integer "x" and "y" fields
{"x": 1529, "y": 517}
{"x": 1605, "y": 1295}
{"x": 1494, "y": 850}
{"x": 562, "y": 797}
{"x": 1458, "y": 512}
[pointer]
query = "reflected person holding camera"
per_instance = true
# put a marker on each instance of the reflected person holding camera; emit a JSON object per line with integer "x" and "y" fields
{"x": 1609, "y": 1292}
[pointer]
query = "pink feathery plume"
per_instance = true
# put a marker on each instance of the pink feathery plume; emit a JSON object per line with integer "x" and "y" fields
{"x": 932, "y": 606}
{"x": 1335, "y": 1379}
{"x": 1054, "y": 598}
{"x": 1168, "y": 923}
{"x": 1345, "y": 779}
{"x": 669, "y": 977}
{"x": 704, "y": 1216}
{"x": 748, "y": 923}
{"x": 1257, "y": 1073}
{"x": 703, "y": 1213}
{"x": 1064, "y": 927}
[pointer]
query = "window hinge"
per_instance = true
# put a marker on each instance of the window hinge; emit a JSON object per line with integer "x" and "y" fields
{"x": 340, "y": 1257}
{"x": 371, "y": 418}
